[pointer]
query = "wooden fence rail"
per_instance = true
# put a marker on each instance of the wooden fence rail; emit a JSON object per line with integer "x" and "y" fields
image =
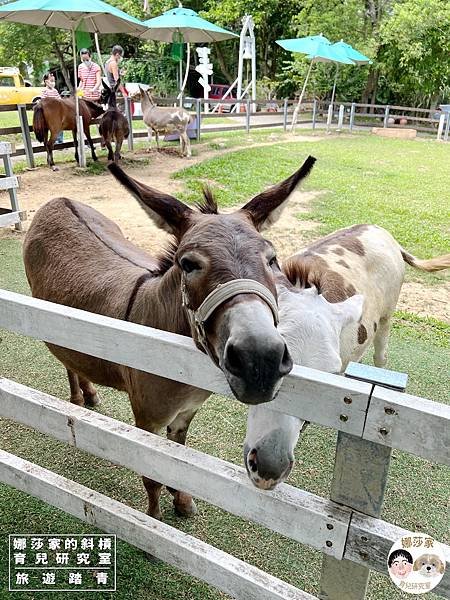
{"x": 348, "y": 532}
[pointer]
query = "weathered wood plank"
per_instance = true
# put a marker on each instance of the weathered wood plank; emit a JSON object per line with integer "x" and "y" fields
{"x": 7, "y": 183}
{"x": 6, "y": 148}
{"x": 10, "y": 218}
{"x": 369, "y": 542}
{"x": 223, "y": 571}
{"x": 410, "y": 423}
{"x": 327, "y": 399}
{"x": 292, "y": 512}
{"x": 359, "y": 480}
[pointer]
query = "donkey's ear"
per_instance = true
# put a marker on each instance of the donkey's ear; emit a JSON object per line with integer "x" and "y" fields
{"x": 266, "y": 208}
{"x": 167, "y": 212}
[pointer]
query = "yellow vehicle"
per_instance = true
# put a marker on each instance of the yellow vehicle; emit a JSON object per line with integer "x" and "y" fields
{"x": 14, "y": 90}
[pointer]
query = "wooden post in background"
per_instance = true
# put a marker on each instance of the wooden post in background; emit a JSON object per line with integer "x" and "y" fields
{"x": 198, "y": 111}
{"x": 285, "y": 114}
{"x": 130, "y": 122}
{"x": 352, "y": 117}
{"x": 359, "y": 481}
{"x": 23, "y": 119}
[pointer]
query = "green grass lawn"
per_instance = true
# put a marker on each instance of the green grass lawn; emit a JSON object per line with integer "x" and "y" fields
{"x": 418, "y": 346}
{"x": 401, "y": 185}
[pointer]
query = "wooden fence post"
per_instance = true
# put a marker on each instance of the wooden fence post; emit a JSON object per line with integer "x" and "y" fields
{"x": 285, "y": 114}
{"x": 247, "y": 116}
{"x": 386, "y": 117}
{"x": 23, "y": 118}
{"x": 5, "y": 150}
{"x": 352, "y": 117}
{"x": 314, "y": 115}
{"x": 329, "y": 117}
{"x": 198, "y": 112}
{"x": 360, "y": 475}
{"x": 130, "y": 122}
{"x": 340, "y": 117}
{"x": 447, "y": 127}
{"x": 441, "y": 126}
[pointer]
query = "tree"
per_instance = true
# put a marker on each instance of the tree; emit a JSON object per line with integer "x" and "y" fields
{"x": 415, "y": 51}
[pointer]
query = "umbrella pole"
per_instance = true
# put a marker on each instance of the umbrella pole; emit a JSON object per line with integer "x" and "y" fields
{"x": 334, "y": 86}
{"x": 183, "y": 85}
{"x": 297, "y": 108}
{"x": 79, "y": 123}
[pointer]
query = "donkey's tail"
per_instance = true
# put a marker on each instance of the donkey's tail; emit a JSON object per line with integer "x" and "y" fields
{"x": 433, "y": 264}
{"x": 40, "y": 126}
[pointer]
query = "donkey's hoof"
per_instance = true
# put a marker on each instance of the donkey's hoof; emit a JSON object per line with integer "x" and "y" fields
{"x": 92, "y": 399}
{"x": 185, "y": 509}
{"x": 55, "y": 168}
{"x": 77, "y": 399}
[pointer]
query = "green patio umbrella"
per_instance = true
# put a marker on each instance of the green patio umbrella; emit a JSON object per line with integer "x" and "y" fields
{"x": 92, "y": 16}
{"x": 355, "y": 56}
{"x": 318, "y": 49}
{"x": 184, "y": 24}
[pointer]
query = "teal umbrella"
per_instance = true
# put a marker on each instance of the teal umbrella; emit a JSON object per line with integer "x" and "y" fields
{"x": 318, "y": 49}
{"x": 90, "y": 15}
{"x": 184, "y": 24}
{"x": 356, "y": 57}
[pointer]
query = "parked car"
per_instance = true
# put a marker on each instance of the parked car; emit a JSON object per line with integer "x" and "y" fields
{"x": 14, "y": 90}
{"x": 218, "y": 91}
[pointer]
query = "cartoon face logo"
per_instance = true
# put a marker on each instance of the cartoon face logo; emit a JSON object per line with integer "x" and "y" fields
{"x": 429, "y": 565}
{"x": 400, "y": 564}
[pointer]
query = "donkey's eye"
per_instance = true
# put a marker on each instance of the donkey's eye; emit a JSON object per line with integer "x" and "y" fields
{"x": 273, "y": 261}
{"x": 189, "y": 265}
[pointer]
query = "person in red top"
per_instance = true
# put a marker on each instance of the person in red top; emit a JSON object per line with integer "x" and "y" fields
{"x": 50, "y": 91}
{"x": 90, "y": 76}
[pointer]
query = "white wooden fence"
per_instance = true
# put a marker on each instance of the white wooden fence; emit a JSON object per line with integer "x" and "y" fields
{"x": 371, "y": 420}
{"x": 10, "y": 183}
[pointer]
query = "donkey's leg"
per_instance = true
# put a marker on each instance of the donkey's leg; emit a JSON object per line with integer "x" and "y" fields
{"x": 87, "y": 133}
{"x": 76, "y": 396}
{"x": 177, "y": 431}
{"x": 49, "y": 147}
{"x": 380, "y": 341}
{"x": 153, "y": 488}
{"x": 119, "y": 142}
{"x": 75, "y": 143}
{"x": 110, "y": 149}
{"x": 90, "y": 394}
{"x": 157, "y": 139}
{"x": 186, "y": 146}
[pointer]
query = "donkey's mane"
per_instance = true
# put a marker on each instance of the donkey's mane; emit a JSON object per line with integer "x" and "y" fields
{"x": 209, "y": 204}
{"x": 167, "y": 257}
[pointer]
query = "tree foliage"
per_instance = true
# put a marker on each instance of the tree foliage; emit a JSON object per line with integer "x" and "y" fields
{"x": 407, "y": 40}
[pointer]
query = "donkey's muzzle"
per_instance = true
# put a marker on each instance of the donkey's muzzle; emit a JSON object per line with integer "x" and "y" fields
{"x": 255, "y": 367}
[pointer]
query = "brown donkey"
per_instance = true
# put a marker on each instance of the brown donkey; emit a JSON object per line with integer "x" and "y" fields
{"x": 113, "y": 126}
{"x": 75, "y": 256}
{"x": 52, "y": 115}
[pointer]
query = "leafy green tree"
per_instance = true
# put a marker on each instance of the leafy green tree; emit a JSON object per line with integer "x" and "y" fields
{"x": 415, "y": 51}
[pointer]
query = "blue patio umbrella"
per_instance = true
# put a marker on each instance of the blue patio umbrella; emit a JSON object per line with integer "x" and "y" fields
{"x": 93, "y": 16}
{"x": 355, "y": 56}
{"x": 184, "y": 24}
{"x": 318, "y": 49}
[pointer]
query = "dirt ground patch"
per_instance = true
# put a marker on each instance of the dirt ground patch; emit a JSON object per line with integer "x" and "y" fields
{"x": 108, "y": 197}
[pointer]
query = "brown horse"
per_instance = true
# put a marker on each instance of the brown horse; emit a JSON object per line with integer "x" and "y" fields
{"x": 59, "y": 114}
{"x": 75, "y": 256}
{"x": 113, "y": 124}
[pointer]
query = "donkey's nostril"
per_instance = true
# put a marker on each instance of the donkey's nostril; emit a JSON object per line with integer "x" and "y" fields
{"x": 286, "y": 362}
{"x": 252, "y": 460}
{"x": 232, "y": 360}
